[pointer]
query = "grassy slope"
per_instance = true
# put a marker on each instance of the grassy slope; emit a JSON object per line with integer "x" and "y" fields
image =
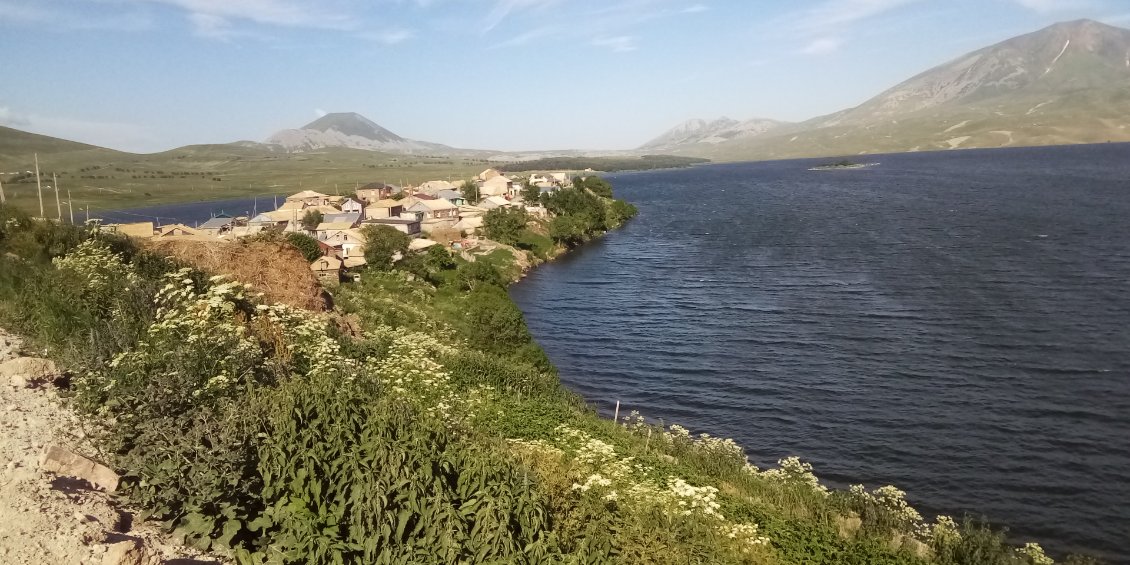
{"x": 111, "y": 179}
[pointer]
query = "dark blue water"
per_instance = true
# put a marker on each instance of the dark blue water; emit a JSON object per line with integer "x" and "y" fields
{"x": 956, "y": 324}
{"x": 191, "y": 213}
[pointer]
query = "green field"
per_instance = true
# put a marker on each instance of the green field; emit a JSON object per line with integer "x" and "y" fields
{"x": 104, "y": 179}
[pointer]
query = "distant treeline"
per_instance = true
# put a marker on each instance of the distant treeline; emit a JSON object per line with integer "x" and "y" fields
{"x": 606, "y": 164}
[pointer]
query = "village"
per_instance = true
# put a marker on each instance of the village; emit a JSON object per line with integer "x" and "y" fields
{"x": 437, "y": 212}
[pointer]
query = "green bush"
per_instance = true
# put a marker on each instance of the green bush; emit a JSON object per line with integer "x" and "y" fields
{"x": 306, "y": 245}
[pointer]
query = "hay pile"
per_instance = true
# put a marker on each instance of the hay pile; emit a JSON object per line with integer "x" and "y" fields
{"x": 276, "y": 269}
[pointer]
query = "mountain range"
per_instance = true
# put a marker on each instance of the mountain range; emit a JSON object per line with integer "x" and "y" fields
{"x": 352, "y": 130}
{"x": 1067, "y": 83}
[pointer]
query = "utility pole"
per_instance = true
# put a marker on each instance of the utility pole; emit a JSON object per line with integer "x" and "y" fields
{"x": 58, "y": 206}
{"x": 38, "y": 185}
{"x": 70, "y": 207}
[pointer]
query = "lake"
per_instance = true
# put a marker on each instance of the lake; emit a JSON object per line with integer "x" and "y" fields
{"x": 956, "y": 324}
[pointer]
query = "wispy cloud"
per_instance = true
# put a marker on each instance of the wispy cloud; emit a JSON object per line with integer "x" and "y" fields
{"x": 393, "y": 36}
{"x": 215, "y": 18}
{"x": 822, "y": 46}
{"x": 118, "y": 135}
{"x": 57, "y": 19}
{"x": 504, "y": 8}
{"x": 695, "y": 8}
{"x": 832, "y": 16}
{"x": 618, "y": 44}
{"x": 525, "y": 37}
{"x": 11, "y": 118}
{"x": 1050, "y": 6}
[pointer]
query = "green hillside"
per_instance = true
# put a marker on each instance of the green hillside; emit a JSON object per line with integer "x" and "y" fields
{"x": 103, "y": 179}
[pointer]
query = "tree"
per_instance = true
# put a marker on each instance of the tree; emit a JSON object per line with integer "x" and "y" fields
{"x": 307, "y": 245}
{"x": 530, "y": 192}
{"x": 505, "y": 224}
{"x": 382, "y": 243}
{"x": 470, "y": 192}
{"x": 597, "y": 185}
{"x": 311, "y": 219}
{"x": 470, "y": 276}
{"x": 566, "y": 230}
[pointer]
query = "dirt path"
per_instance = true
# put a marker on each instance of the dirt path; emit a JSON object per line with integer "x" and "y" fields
{"x": 47, "y": 519}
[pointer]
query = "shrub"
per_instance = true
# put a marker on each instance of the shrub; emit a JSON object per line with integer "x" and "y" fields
{"x": 307, "y": 245}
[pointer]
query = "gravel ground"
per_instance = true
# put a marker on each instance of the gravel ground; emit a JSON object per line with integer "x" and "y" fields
{"x": 45, "y": 519}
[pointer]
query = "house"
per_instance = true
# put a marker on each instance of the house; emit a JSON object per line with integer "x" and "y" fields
{"x": 135, "y": 229}
{"x": 327, "y": 269}
{"x": 562, "y": 179}
{"x": 325, "y": 228}
{"x": 309, "y": 198}
{"x": 537, "y": 179}
{"x": 354, "y": 262}
{"x": 434, "y": 186}
{"x": 537, "y": 211}
{"x": 420, "y": 244}
{"x": 488, "y": 174}
{"x": 452, "y": 196}
{"x": 385, "y": 208}
{"x": 469, "y": 211}
{"x": 351, "y": 218}
{"x": 492, "y": 202}
{"x": 216, "y": 226}
{"x": 438, "y": 209}
{"x": 277, "y": 218}
{"x": 406, "y": 225}
{"x": 346, "y": 243}
{"x": 496, "y": 186}
{"x": 469, "y": 225}
{"x": 375, "y": 191}
{"x": 350, "y": 205}
{"x": 181, "y": 232}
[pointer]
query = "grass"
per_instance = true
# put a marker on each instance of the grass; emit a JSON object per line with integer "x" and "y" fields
{"x": 103, "y": 179}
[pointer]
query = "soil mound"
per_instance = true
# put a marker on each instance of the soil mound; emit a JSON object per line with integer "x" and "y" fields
{"x": 276, "y": 269}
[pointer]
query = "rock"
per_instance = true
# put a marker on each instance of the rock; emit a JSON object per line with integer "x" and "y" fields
{"x": 28, "y": 371}
{"x": 848, "y": 525}
{"x": 62, "y": 461}
{"x": 909, "y": 544}
{"x": 130, "y": 553}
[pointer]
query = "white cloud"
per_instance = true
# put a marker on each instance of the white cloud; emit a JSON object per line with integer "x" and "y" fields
{"x": 833, "y": 16}
{"x": 1049, "y": 6}
{"x": 211, "y": 15}
{"x": 503, "y": 8}
{"x": 822, "y": 46}
{"x": 320, "y": 112}
{"x": 116, "y": 135}
{"x": 524, "y": 37}
{"x": 22, "y": 14}
{"x": 10, "y": 118}
{"x": 619, "y": 44}
{"x": 695, "y": 8}
{"x": 389, "y": 37}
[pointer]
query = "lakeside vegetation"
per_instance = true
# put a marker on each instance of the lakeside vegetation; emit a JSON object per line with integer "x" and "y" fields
{"x": 604, "y": 164}
{"x": 417, "y": 422}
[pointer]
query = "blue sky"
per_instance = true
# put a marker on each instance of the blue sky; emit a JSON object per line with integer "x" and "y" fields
{"x": 151, "y": 75}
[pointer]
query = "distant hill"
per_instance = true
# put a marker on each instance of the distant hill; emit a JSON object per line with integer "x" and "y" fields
{"x": 697, "y": 131}
{"x": 1067, "y": 83}
{"x": 14, "y": 142}
{"x": 354, "y": 131}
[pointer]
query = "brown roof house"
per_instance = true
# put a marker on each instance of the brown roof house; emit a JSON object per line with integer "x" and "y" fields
{"x": 375, "y": 191}
{"x": 309, "y": 198}
{"x": 496, "y": 186}
{"x": 327, "y": 269}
